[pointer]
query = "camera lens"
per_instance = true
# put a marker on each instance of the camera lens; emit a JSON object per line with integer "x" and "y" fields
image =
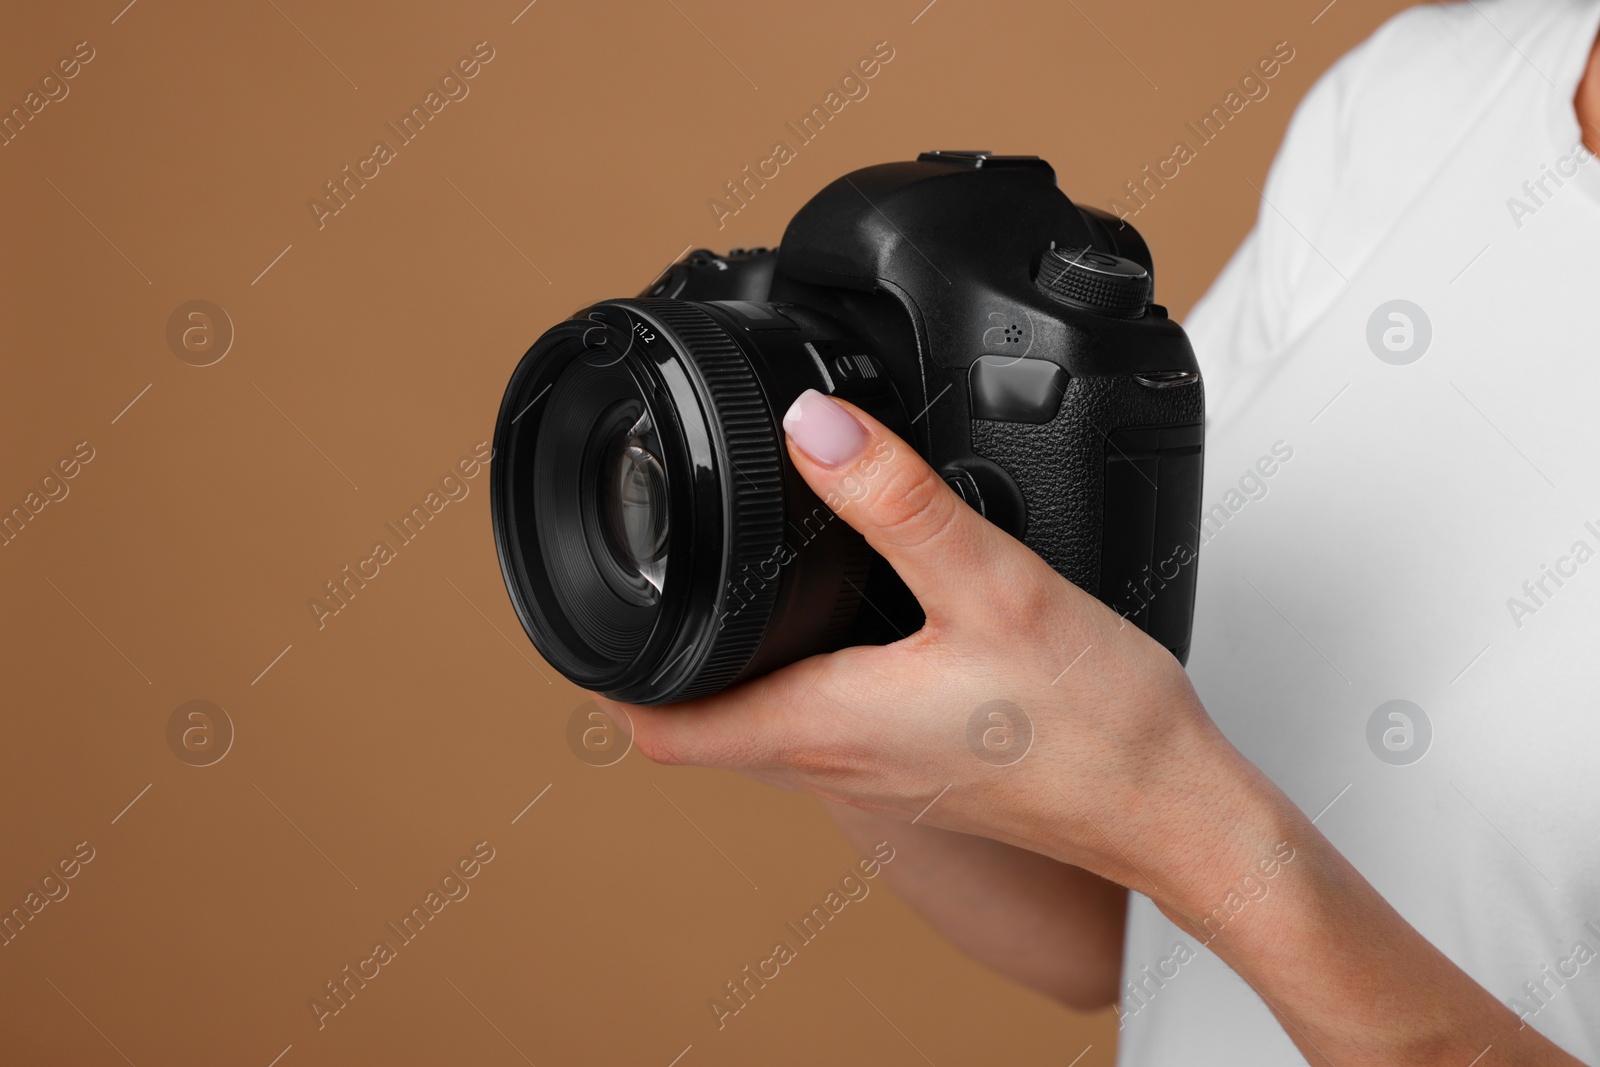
{"x": 656, "y": 541}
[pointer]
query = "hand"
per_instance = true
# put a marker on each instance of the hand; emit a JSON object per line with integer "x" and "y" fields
{"x": 1127, "y": 777}
{"x": 1120, "y": 744}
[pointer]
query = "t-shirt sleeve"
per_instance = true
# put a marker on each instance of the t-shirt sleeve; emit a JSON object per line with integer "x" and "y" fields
{"x": 1318, "y": 208}
{"x": 1360, "y": 144}
{"x": 1245, "y": 319}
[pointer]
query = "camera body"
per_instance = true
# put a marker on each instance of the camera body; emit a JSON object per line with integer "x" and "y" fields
{"x": 1007, "y": 334}
{"x": 1071, "y": 423}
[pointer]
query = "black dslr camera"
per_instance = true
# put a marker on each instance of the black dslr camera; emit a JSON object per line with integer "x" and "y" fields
{"x": 656, "y": 541}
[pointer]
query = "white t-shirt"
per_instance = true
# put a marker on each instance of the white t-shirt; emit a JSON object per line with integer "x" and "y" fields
{"x": 1404, "y": 505}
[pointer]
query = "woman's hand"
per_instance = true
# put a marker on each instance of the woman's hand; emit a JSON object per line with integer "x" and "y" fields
{"x": 1024, "y": 710}
{"x": 1125, "y": 775}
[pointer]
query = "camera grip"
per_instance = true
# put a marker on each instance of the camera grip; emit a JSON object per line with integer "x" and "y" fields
{"x": 1111, "y": 489}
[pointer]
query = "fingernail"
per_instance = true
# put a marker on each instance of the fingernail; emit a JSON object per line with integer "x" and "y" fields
{"x": 824, "y": 431}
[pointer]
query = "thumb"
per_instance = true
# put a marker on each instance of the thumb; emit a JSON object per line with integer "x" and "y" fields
{"x": 947, "y": 554}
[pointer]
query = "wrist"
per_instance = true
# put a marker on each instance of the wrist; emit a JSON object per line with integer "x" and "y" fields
{"x": 1242, "y": 871}
{"x": 1195, "y": 823}
{"x": 1229, "y": 838}
{"x": 1252, "y": 880}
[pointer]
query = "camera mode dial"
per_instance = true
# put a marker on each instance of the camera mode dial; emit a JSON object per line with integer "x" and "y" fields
{"x": 1095, "y": 280}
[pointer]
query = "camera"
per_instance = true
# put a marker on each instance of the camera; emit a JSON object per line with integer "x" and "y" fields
{"x": 656, "y": 541}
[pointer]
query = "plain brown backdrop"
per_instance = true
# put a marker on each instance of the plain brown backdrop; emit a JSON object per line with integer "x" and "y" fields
{"x": 371, "y": 754}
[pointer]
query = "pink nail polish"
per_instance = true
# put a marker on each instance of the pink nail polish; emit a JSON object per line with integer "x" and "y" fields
{"x": 823, "y": 430}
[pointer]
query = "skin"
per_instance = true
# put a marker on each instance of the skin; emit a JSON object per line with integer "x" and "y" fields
{"x": 1128, "y": 785}
{"x": 1587, "y": 100}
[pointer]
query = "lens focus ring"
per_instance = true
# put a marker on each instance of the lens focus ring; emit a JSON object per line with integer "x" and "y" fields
{"x": 752, "y": 492}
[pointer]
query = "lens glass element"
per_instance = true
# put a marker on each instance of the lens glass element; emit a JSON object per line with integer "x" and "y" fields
{"x": 635, "y": 502}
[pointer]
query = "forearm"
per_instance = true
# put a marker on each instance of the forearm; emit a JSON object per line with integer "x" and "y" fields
{"x": 1044, "y": 924}
{"x": 1350, "y": 980}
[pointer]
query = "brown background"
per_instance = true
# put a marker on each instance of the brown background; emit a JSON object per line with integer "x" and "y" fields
{"x": 375, "y": 752}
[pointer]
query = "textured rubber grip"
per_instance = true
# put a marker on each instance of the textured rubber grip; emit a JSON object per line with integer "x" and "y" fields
{"x": 1061, "y": 468}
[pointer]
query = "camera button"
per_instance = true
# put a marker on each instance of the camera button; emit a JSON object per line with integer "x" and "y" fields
{"x": 855, "y": 376}
{"x": 1095, "y": 281}
{"x": 856, "y": 368}
{"x": 1012, "y": 389}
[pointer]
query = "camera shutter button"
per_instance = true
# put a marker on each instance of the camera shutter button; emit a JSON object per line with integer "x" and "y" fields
{"x": 1094, "y": 280}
